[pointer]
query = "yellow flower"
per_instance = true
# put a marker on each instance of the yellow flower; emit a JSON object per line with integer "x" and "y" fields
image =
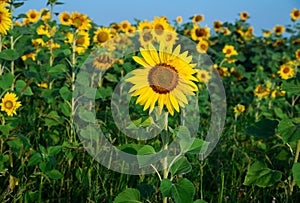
{"x": 295, "y": 14}
{"x": 267, "y": 33}
{"x": 229, "y": 51}
{"x": 203, "y": 76}
{"x": 146, "y": 37}
{"x": 197, "y": 18}
{"x": 144, "y": 25}
{"x": 199, "y": 33}
{"x": 82, "y": 41}
{"x": 38, "y": 42}
{"x": 6, "y": 21}
{"x": 166, "y": 78}
{"x": 43, "y": 85}
{"x": 65, "y": 18}
{"x": 278, "y": 29}
{"x": 104, "y": 62}
{"x": 5, "y": 2}
{"x": 179, "y": 19}
{"x": 223, "y": 72}
{"x": 160, "y": 25}
{"x": 27, "y": 56}
{"x": 202, "y": 46}
{"x": 81, "y": 21}
{"x": 46, "y": 15}
{"x": 17, "y": 24}
{"x": 102, "y": 35}
{"x": 297, "y": 53}
{"x": 244, "y": 16}
{"x": 217, "y": 26}
{"x": 239, "y": 109}
{"x": 226, "y": 31}
{"x": 261, "y": 91}
{"x": 45, "y": 30}
{"x": 33, "y": 16}
{"x": 286, "y": 71}
{"x": 124, "y": 25}
{"x": 10, "y": 104}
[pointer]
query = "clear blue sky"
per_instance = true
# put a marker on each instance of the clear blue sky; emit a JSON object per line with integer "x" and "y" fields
{"x": 263, "y": 13}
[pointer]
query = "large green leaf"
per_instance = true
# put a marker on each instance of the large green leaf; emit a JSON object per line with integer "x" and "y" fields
{"x": 296, "y": 173}
{"x": 263, "y": 128}
{"x": 23, "y": 88}
{"x": 259, "y": 174}
{"x": 289, "y": 130}
{"x": 183, "y": 191}
{"x": 9, "y": 54}
{"x": 130, "y": 195}
{"x": 181, "y": 166}
{"x": 54, "y": 174}
{"x": 292, "y": 86}
{"x": 6, "y": 81}
{"x": 165, "y": 187}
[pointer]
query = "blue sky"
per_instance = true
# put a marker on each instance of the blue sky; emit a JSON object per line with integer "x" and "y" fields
{"x": 263, "y": 13}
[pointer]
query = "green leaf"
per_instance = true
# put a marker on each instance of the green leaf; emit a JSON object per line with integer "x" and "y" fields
{"x": 111, "y": 78}
{"x": 6, "y": 81}
{"x": 183, "y": 191}
{"x": 34, "y": 159}
{"x": 65, "y": 93}
{"x": 90, "y": 133}
{"x": 147, "y": 155}
{"x": 165, "y": 187}
{"x": 130, "y": 195}
{"x": 86, "y": 115}
{"x": 289, "y": 130}
{"x": 296, "y": 173}
{"x": 52, "y": 151}
{"x": 53, "y": 119}
{"x": 198, "y": 146}
{"x": 262, "y": 129}
{"x": 181, "y": 166}
{"x": 130, "y": 148}
{"x": 259, "y": 174}
{"x": 54, "y": 174}
{"x": 292, "y": 86}
{"x": 23, "y": 88}
{"x": 200, "y": 201}
{"x": 9, "y": 54}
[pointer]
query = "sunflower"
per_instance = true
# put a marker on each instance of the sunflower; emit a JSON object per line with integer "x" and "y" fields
{"x": 278, "y": 29}
{"x": 31, "y": 56}
{"x": 5, "y": 2}
{"x": 10, "y": 104}
{"x": 199, "y": 33}
{"x": 244, "y": 16}
{"x": 223, "y": 72}
{"x": 203, "y": 76}
{"x": 286, "y": 71}
{"x": 297, "y": 54}
{"x": 104, "y": 62}
{"x": 39, "y": 42}
{"x": 295, "y": 14}
{"x": 267, "y": 33}
{"x": 229, "y": 51}
{"x": 202, "y": 46}
{"x": 5, "y": 20}
{"x": 179, "y": 19}
{"x": 65, "y": 18}
{"x": 166, "y": 78}
{"x": 102, "y": 35}
{"x": 17, "y": 24}
{"x": 226, "y": 31}
{"x": 160, "y": 25}
{"x": 124, "y": 25}
{"x": 146, "y": 37}
{"x": 197, "y": 18}
{"x": 144, "y": 25}
{"x": 217, "y": 26}
{"x": 82, "y": 41}
{"x": 33, "y": 16}
{"x": 261, "y": 91}
{"x": 81, "y": 21}
{"x": 45, "y": 30}
{"x": 131, "y": 31}
{"x": 239, "y": 109}
{"x": 46, "y": 15}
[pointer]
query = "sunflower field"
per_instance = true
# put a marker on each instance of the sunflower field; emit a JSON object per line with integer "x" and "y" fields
{"x": 152, "y": 111}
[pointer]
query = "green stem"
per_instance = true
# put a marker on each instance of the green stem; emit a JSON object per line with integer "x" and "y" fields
{"x": 165, "y": 161}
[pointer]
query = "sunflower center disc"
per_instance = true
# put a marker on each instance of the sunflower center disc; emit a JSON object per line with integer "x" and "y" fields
{"x": 200, "y": 32}
{"x": 102, "y": 37}
{"x": 163, "y": 78}
{"x": 8, "y": 104}
{"x": 286, "y": 70}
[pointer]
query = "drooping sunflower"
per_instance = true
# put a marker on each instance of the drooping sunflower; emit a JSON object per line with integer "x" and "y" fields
{"x": 33, "y": 16}
{"x": 286, "y": 71}
{"x": 102, "y": 35}
{"x": 297, "y": 54}
{"x": 81, "y": 21}
{"x": 278, "y": 29}
{"x": 166, "y": 78}
{"x": 197, "y": 18}
{"x": 199, "y": 33}
{"x": 244, "y": 16}
{"x": 104, "y": 61}
{"x": 65, "y": 18}
{"x": 229, "y": 51}
{"x": 203, "y": 76}
{"x": 10, "y": 104}
{"x": 5, "y": 20}
{"x": 217, "y": 26}
{"x": 202, "y": 46}
{"x": 295, "y": 14}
